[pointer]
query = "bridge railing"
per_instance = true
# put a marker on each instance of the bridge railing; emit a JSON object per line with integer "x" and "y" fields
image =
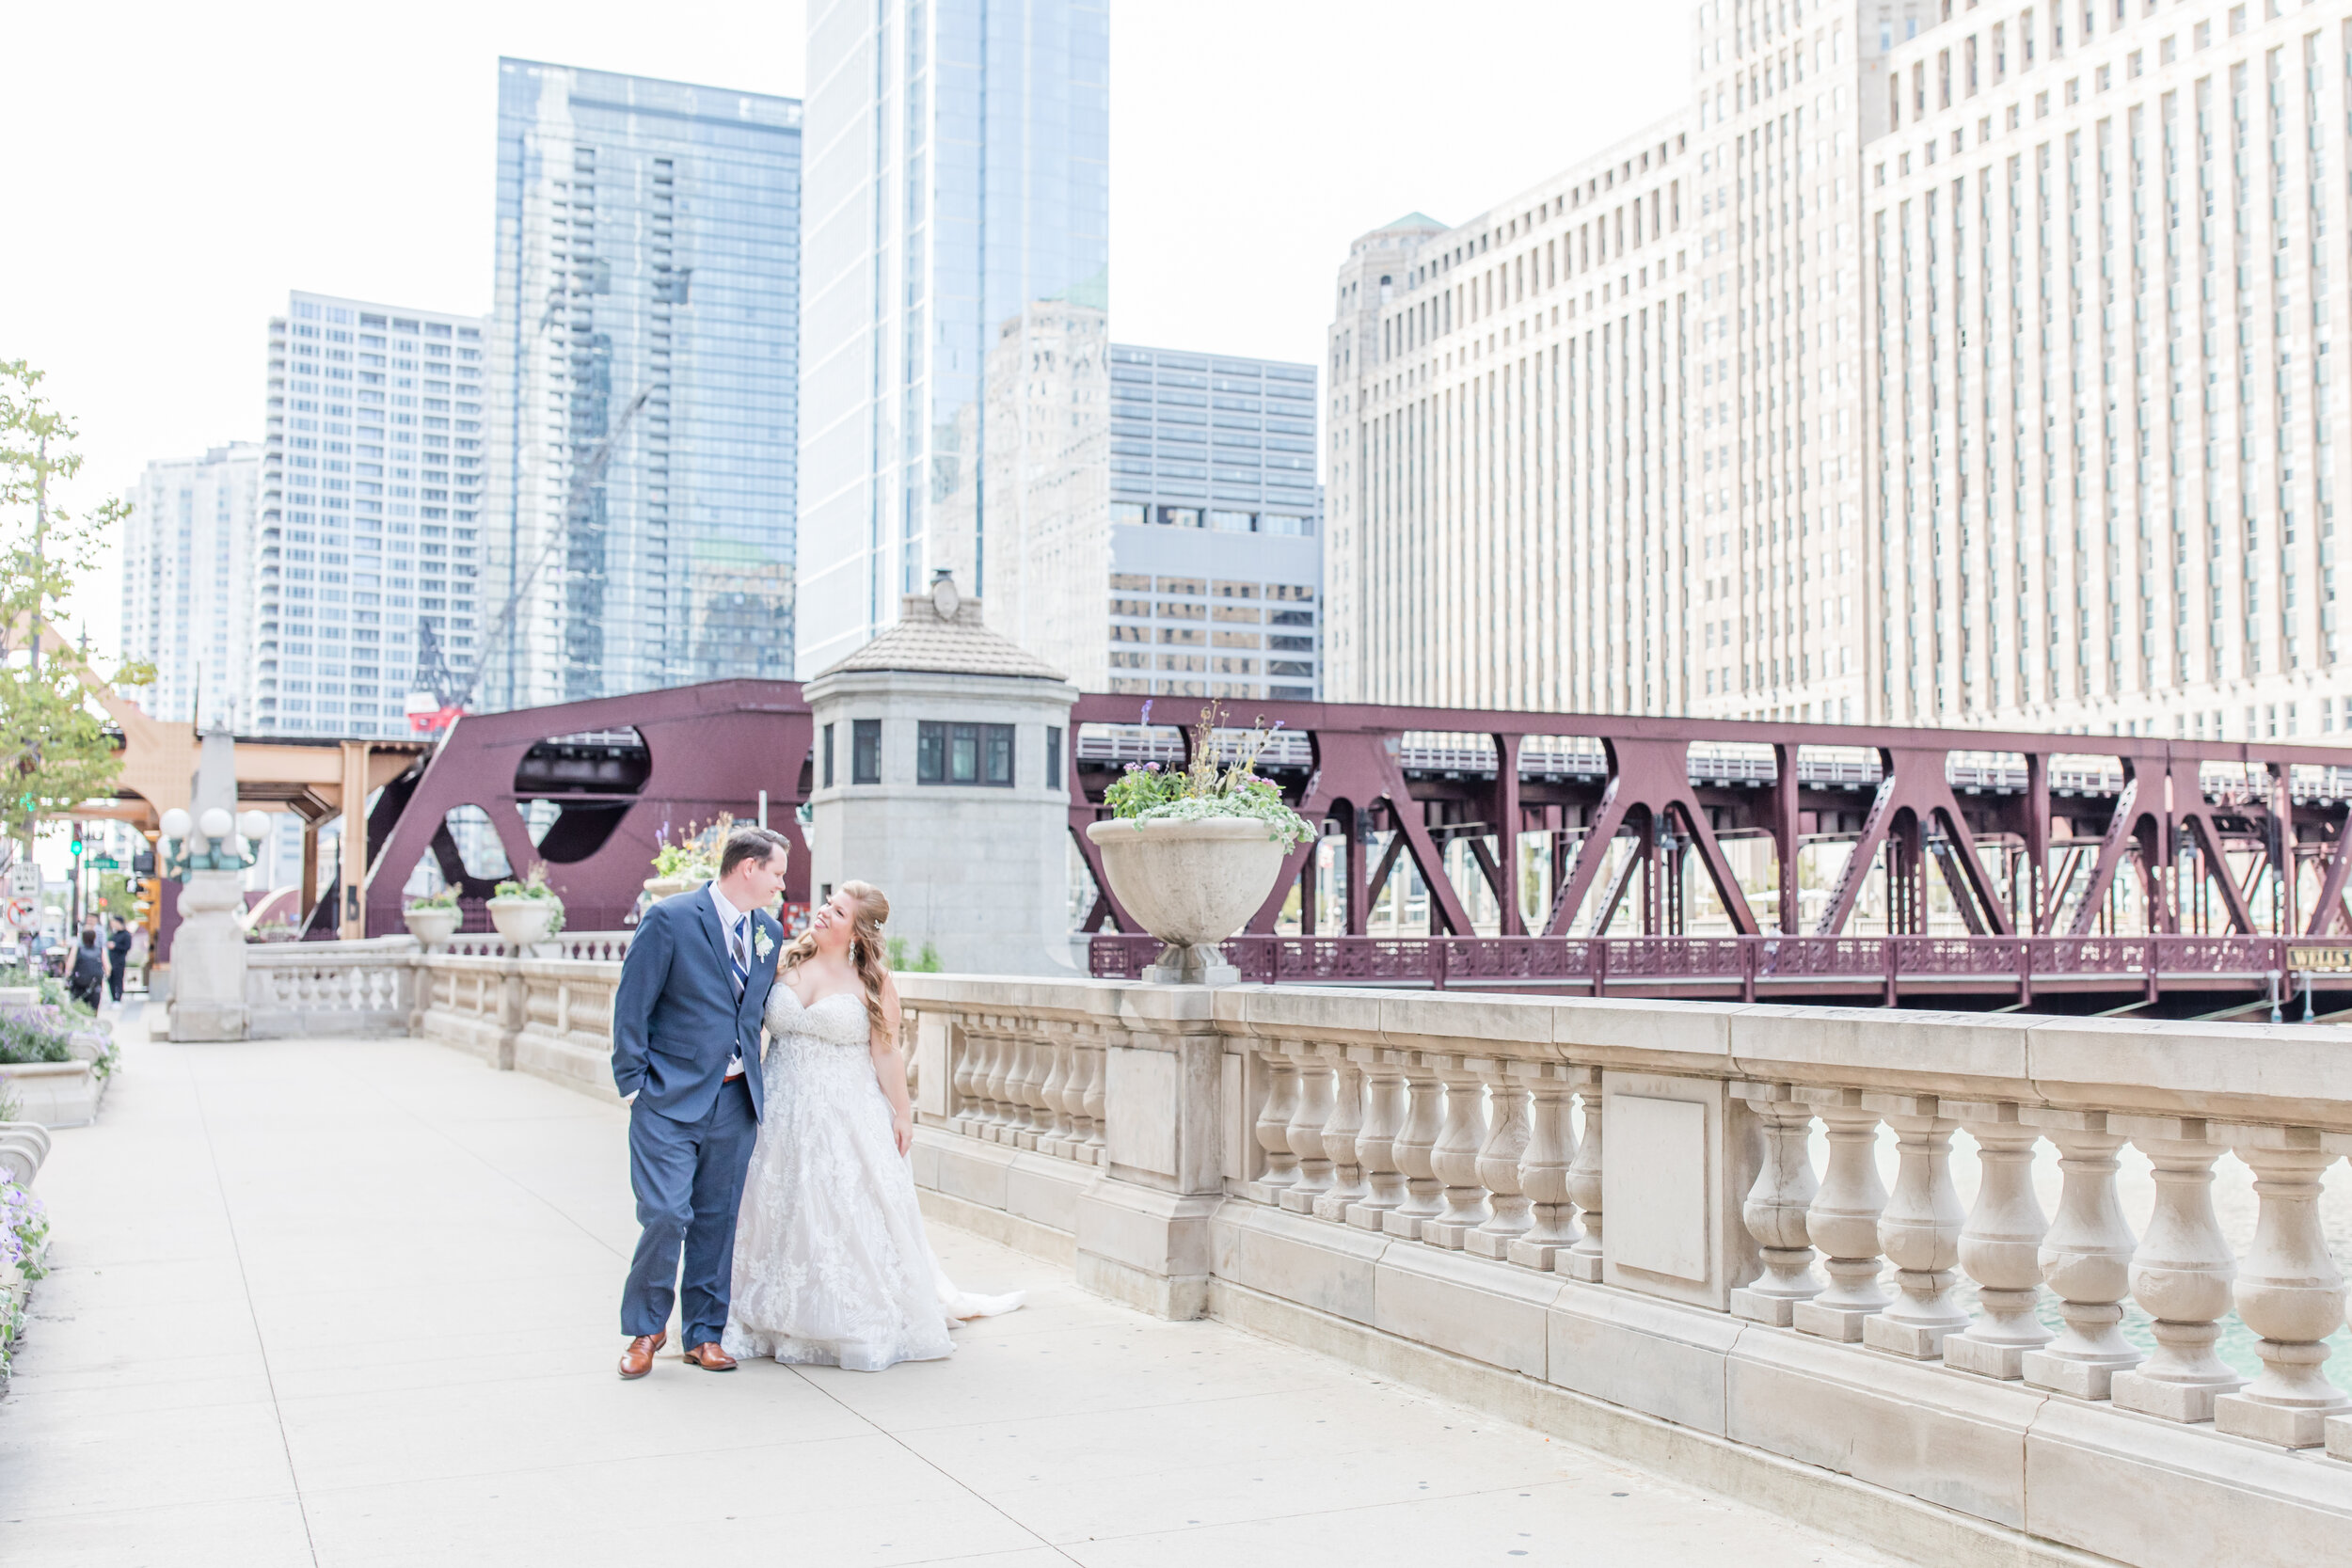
{"x": 1892, "y": 1247}
{"x": 1751, "y": 968}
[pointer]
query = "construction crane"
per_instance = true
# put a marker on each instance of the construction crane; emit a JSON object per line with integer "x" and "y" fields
{"x": 440, "y": 698}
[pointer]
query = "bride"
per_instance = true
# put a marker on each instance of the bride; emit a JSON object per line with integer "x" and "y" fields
{"x": 831, "y": 1265}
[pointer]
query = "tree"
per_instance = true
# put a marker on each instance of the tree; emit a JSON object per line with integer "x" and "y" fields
{"x": 55, "y": 747}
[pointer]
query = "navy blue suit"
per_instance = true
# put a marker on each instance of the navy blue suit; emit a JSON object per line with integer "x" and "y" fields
{"x": 675, "y": 1022}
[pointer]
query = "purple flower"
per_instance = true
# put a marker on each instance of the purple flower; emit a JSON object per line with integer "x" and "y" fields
{"x": 1147, "y": 711}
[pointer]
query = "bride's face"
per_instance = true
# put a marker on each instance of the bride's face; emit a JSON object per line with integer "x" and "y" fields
{"x": 834, "y": 923}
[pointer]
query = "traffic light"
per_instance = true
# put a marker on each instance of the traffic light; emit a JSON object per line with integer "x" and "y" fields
{"x": 76, "y": 845}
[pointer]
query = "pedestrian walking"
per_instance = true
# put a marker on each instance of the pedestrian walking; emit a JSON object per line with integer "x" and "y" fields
{"x": 118, "y": 957}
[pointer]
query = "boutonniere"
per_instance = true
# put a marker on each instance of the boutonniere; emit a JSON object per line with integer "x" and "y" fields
{"x": 763, "y": 944}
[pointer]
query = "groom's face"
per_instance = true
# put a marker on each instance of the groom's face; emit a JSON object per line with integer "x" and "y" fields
{"x": 766, "y": 878}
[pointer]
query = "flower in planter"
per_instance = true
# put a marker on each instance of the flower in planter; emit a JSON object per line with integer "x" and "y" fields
{"x": 535, "y": 885}
{"x": 1207, "y": 788}
{"x": 445, "y": 898}
{"x": 694, "y": 858}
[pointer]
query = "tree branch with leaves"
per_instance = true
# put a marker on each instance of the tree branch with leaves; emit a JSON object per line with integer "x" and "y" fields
{"x": 56, "y": 748}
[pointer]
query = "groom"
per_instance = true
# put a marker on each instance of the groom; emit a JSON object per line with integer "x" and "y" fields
{"x": 686, "y": 1056}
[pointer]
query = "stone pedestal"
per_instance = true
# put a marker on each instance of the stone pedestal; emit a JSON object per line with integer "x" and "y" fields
{"x": 207, "y": 958}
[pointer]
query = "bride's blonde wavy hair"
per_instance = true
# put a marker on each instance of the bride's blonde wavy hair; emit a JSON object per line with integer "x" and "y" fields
{"x": 868, "y": 911}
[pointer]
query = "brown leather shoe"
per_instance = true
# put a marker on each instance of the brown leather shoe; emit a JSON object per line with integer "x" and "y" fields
{"x": 637, "y": 1360}
{"x": 709, "y": 1357}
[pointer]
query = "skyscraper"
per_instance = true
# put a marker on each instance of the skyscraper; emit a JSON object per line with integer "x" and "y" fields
{"x": 958, "y": 175}
{"x": 1215, "y": 520}
{"x": 645, "y": 371}
{"x": 372, "y": 491}
{"x": 188, "y": 581}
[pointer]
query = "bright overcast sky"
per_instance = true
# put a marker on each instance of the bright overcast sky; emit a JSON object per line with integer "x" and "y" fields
{"x": 178, "y": 167}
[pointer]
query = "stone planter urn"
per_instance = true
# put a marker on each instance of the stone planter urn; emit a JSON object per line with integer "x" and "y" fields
{"x": 1192, "y": 884}
{"x": 667, "y": 887}
{"x": 432, "y": 924}
{"x": 523, "y": 922}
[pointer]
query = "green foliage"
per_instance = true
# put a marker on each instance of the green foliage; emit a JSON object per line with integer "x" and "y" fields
{"x": 55, "y": 749}
{"x": 535, "y": 885}
{"x": 926, "y": 962}
{"x": 1208, "y": 788}
{"x": 694, "y": 857}
{"x": 52, "y": 990}
{"x": 442, "y": 899}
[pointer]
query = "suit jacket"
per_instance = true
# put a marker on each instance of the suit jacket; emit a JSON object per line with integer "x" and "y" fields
{"x": 675, "y": 1017}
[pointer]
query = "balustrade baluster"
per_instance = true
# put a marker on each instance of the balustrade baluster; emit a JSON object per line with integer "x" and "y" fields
{"x": 1583, "y": 1260}
{"x": 1498, "y": 1157}
{"x": 1375, "y": 1145}
{"x": 2289, "y": 1291}
{"x": 2086, "y": 1259}
{"x": 1339, "y": 1134}
{"x": 1455, "y": 1158}
{"x": 1274, "y": 1119}
{"x": 1774, "y": 1212}
{"x": 1000, "y": 1049}
{"x": 1034, "y": 1121}
{"x": 1097, "y": 1070}
{"x": 963, "y": 1106}
{"x": 1544, "y": 1168}
{"x": 1919, "y": 1232}
{"x": 2179, "y": 1276}
{"x": 1020, "y": 1087}
{"x": 1304, "y": 1135}
{"x": 2000, "y": 1248}
{"x": 1054, "y": 1138}
{"x": 1413, "y": 1147}
{"x": 1843, "y": 1220}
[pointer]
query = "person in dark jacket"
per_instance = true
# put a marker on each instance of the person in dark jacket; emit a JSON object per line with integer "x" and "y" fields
{"x": 118, "y": 957}
{"x": 88, "y": 974}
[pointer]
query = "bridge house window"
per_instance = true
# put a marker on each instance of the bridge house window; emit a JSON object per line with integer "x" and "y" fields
{"x": 963, "y": 754}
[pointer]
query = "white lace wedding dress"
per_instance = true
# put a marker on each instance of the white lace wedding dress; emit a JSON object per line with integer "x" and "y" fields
{"x": 831, "y": 1265}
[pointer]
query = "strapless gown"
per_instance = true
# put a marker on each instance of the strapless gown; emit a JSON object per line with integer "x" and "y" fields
{"x": 831, "y": 1263}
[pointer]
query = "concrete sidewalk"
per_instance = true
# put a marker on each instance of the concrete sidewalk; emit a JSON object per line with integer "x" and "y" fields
{"x": 346, "y": 1302}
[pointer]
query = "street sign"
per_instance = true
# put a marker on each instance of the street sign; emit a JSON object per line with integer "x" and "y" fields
{"x": 25, "y": 881}
{"x": 23, "y": 914}
{"x": 106, "y": 862}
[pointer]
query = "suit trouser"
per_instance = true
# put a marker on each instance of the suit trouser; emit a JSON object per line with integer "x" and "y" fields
{"x": 689, "y": 1181}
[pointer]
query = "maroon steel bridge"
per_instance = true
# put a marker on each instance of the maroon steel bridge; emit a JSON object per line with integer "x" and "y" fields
{"x": 1971, "y": 868}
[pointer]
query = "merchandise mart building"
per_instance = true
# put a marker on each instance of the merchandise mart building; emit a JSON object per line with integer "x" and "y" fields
{"x": 1939, "y": 364}
{"x": 647, "y": 300}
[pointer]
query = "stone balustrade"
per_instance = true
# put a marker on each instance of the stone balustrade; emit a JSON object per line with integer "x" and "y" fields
{"x": 1788, "y": 1267}
{"x": 299, "y": 989}
{"x": 1878, "y": 1269}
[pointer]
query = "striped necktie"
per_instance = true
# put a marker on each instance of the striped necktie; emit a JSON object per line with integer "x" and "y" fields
{"x": 738, "y": 956}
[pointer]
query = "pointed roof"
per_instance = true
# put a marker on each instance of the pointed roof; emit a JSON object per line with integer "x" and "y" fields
{"x": 941, "y": 632}
{"x": 1416, "y": 220}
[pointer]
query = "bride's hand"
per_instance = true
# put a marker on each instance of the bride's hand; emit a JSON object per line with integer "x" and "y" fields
{"x": 902, "y": 1128}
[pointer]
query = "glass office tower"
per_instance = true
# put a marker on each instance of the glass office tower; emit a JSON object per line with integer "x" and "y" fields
{"x": 958, "y": 176}
{"x": 646, "y": 320}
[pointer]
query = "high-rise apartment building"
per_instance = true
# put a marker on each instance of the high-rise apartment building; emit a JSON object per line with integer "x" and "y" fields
{"x": 1944, "y": 363}
{"x": 371, "y": 513}
{"x": 1214, "y": 546}
{"x": 645, "y": 366}
{"x": 188, "y": 582}
{"x": 957, "y": 179}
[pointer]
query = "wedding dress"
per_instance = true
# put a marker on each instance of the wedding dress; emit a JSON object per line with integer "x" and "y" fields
{"x": 832, "y": 1264}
